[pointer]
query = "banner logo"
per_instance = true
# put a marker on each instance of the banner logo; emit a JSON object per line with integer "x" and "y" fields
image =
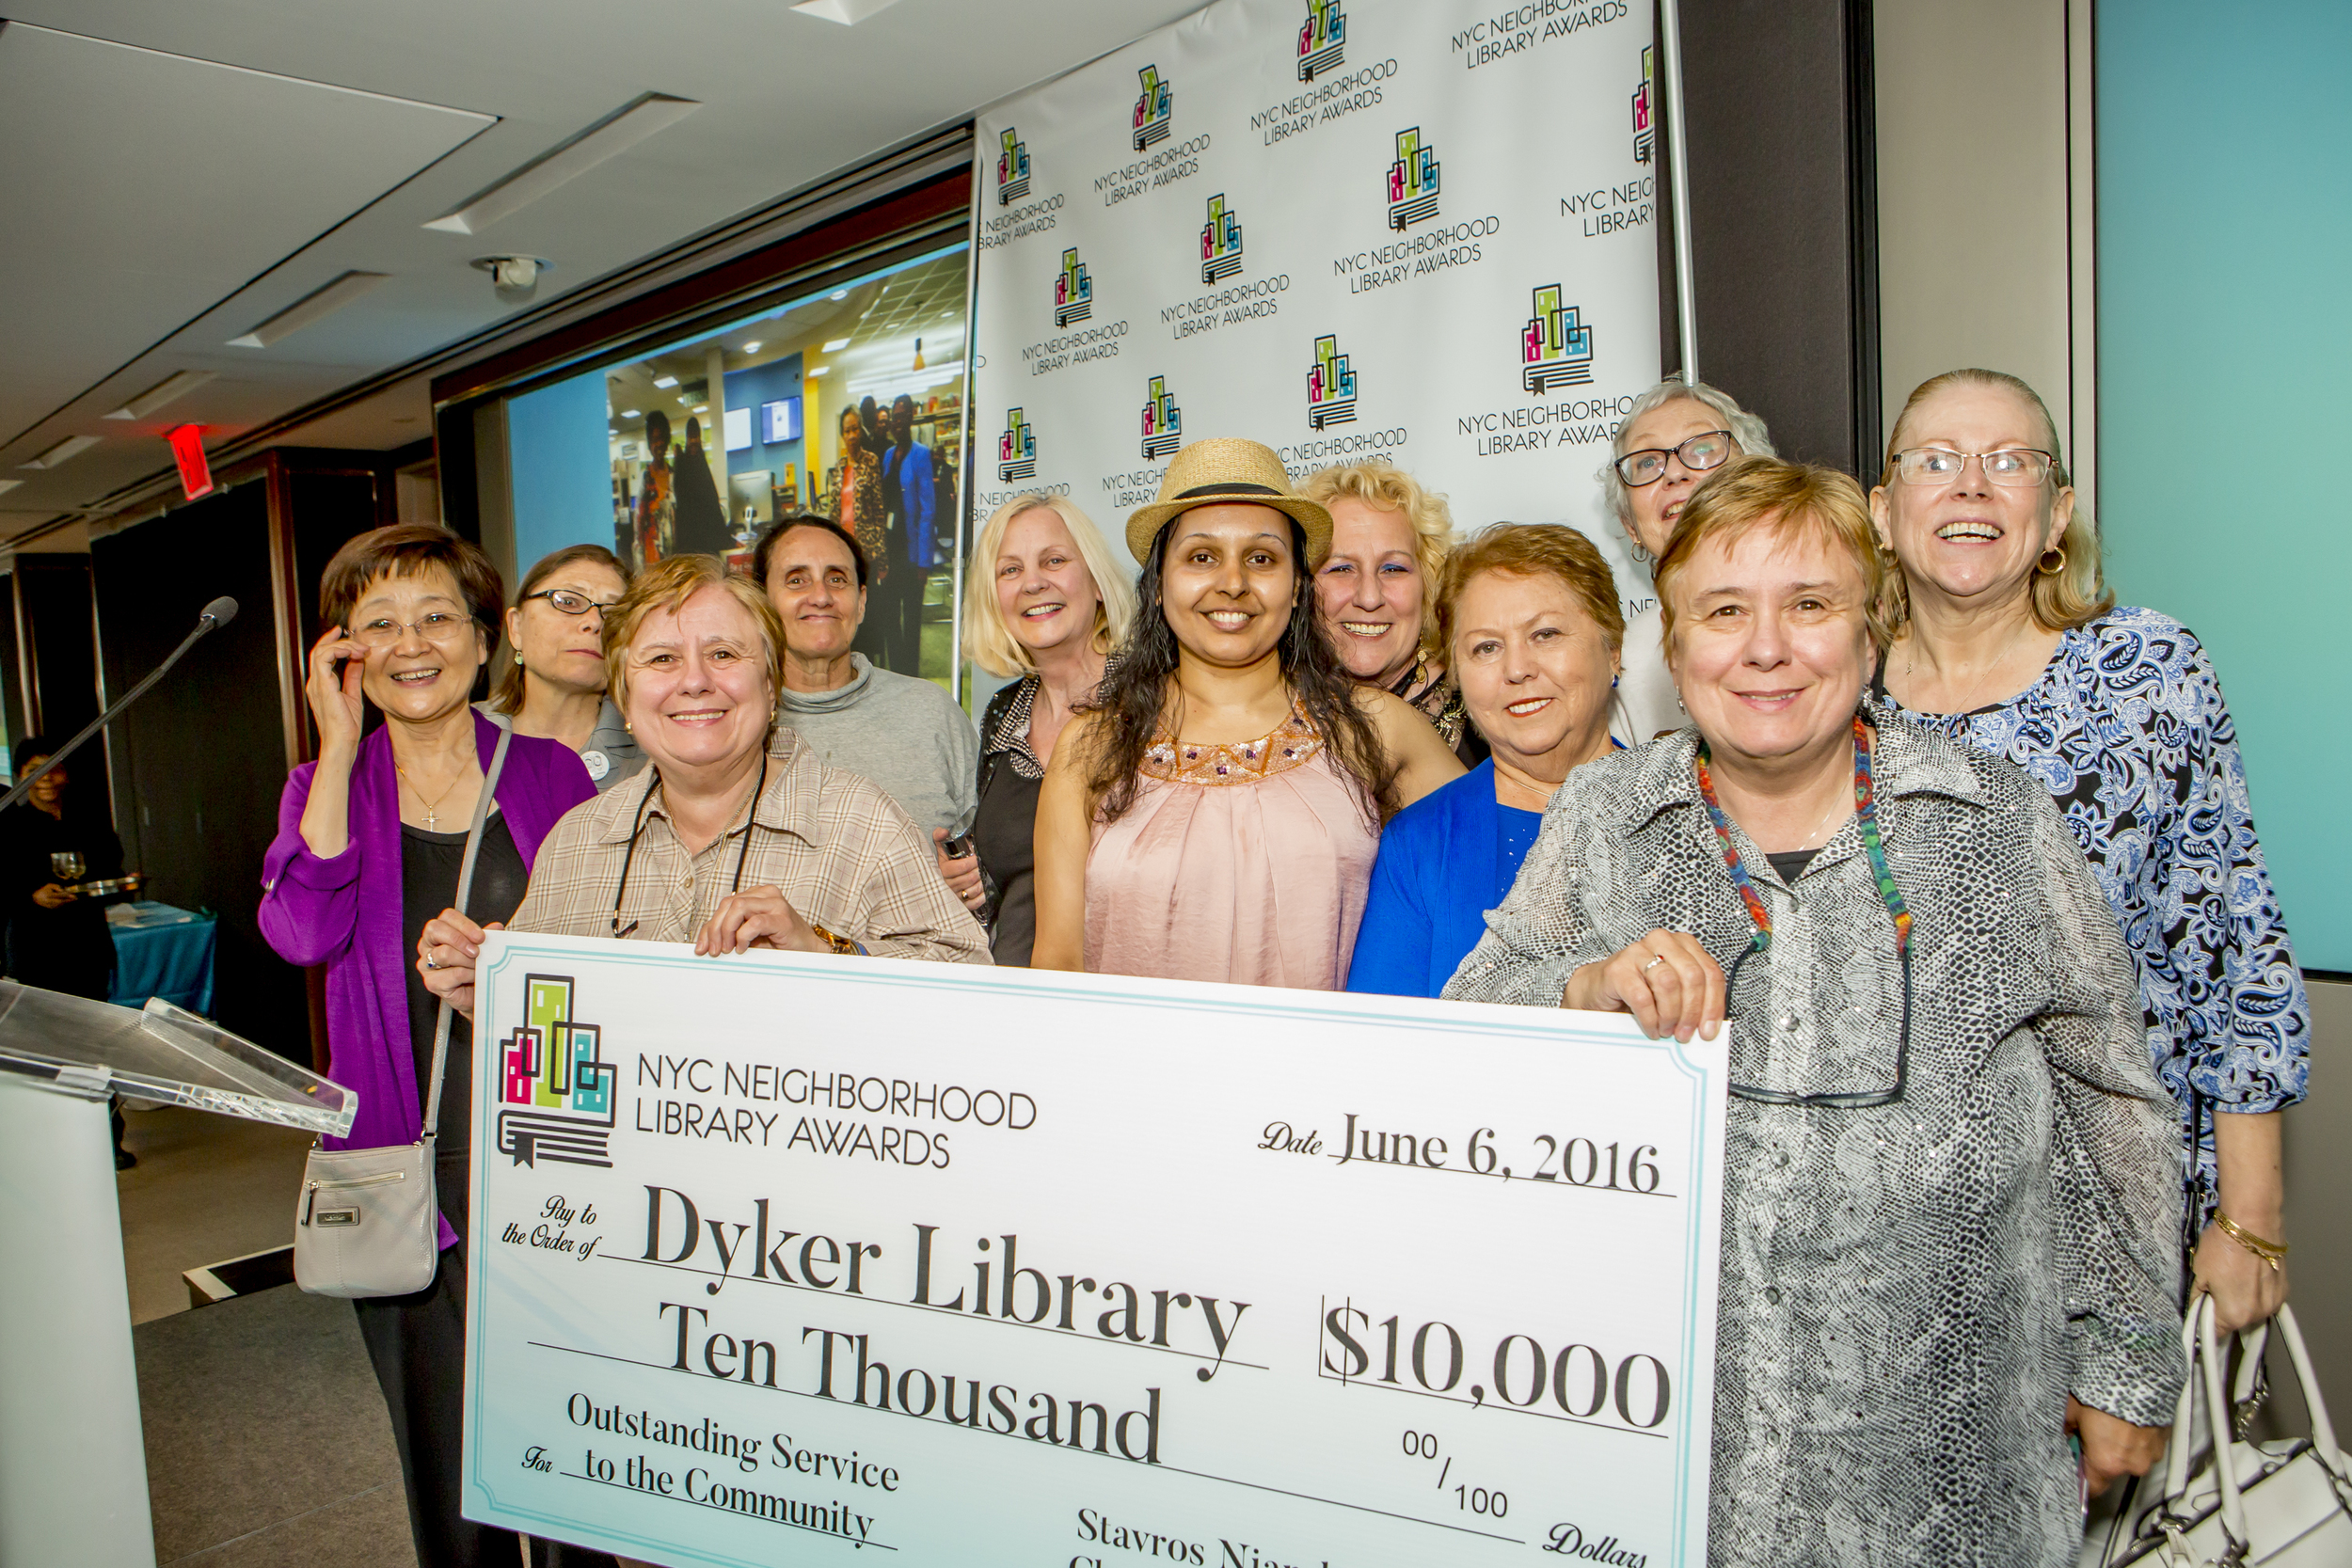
{"x": 1016, "y": 448}
{"x": 1013, "y": 169}
{"x": 1074, "y": 291}
{"x": 1163, "y": 421}
{"x": 1412, "y": 181}
{"x": 1330, "y": 387}
{"x": 556, "y": 1102}
{"x": 1645, "y": 100}
{"x": 1153, "y": 109}
{"x": 1220, "y": 241}
{"x": 1555, "y": 347}
{"x": 1323, "y": 41}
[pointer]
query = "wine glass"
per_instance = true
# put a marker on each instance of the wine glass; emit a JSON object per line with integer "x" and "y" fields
{"x": 68, "y": 865}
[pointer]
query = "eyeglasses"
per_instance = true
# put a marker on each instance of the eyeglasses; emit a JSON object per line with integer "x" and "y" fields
{"x": 564, "y": 602}
{"x": 439, "y": 627}
{"x": 1699, "y": 453}
{"x": 2012, "y": 468}
{"x": 1859, "y": 1099}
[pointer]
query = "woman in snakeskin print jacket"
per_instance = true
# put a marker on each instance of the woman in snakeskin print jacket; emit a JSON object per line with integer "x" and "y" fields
{"x": 1948, "y": 1191}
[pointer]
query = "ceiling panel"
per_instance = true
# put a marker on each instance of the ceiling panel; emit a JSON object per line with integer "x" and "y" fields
{"x": 152, "y": 185}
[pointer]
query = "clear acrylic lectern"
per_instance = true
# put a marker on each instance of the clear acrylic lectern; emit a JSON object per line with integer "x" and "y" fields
{"x": 73, "y": 1462}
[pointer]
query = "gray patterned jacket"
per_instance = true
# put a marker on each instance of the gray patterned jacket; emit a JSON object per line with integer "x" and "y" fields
{"x": 1908, "y": 1295}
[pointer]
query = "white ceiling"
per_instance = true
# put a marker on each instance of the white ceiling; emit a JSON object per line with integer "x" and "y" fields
{"x": 154, "y": 205}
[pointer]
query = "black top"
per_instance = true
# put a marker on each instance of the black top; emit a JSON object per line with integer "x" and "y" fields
{"x": 429, "y": 863}
{"x": 1790, "y": 863}
{"x": 66, "y": 949}
{"x": 1005, "y": 836}
{"x": 699, "y": 523}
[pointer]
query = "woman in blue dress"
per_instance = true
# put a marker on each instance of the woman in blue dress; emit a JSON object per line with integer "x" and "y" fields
{"x": 1528, "y": 622}
{"x": 2014, "y": 645}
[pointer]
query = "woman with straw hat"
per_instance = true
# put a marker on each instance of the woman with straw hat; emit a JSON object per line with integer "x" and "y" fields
{"x": 1212, "y": 814}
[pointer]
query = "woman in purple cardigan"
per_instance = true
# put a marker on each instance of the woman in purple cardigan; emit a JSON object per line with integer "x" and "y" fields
{"x": 369, "y": 841}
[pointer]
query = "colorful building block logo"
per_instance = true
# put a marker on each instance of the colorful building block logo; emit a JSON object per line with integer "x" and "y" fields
{"x": 555, "y": 1090}
{"x": 1330, "y": 387}
{"x": 1013, "y": 169}
{"x": 1555, "y": 346}
{"x": 1220, "y": 241}
{"x": 1412, "y": 181}
{"x": 1074, "y": 291}
{"x": 1323, "y": 41}
{"x": 1163, "y": 421}
{"x": 1016, "y": 448}
{"x": 1644, "y": 108}
{"x": 1155, "y": 109}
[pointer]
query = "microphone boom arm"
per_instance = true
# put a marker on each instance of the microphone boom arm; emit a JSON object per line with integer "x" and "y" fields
{"x": 207, "y": 622}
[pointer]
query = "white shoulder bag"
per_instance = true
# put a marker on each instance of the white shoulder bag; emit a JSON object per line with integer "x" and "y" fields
{"x": 369, "y": 1222}
{"x": 2285, "y": 1503}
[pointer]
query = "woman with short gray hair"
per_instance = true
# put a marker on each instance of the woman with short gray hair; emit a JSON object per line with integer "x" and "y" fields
{"x": 1673, "y": 435}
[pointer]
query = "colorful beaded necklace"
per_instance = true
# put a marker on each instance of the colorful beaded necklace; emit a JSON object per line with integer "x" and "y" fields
{"x": 1866, "y": 810}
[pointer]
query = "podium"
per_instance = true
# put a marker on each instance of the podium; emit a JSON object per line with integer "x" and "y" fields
{"x": 72, "y": 1462}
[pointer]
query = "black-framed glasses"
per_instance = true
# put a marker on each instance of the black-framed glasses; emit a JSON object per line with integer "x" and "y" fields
{"x": 1857, "y": 1100}
{"x": 1700, "y": 452}
{"x": 564, "y": 602}
{"x": 2012, "y": 468}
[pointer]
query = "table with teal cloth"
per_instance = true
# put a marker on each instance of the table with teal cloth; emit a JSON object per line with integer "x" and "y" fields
{"x": 161, "y": 951}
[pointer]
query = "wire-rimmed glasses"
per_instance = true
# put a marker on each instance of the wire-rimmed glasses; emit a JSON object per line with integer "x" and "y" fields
{"x": 2012, "y": 468}
{"x": 441, "y": 627}
{"x": 1855, "y": 1099}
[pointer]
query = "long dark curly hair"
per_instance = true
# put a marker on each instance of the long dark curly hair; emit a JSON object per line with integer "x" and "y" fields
{"x": 1132, "y": 695}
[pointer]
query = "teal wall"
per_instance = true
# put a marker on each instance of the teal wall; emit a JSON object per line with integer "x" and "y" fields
{"x": 560, "y": 458}
{"x": 2225, "y": 390}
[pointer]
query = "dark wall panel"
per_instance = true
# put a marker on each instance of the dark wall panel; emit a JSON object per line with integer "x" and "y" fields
{"x": 1780, "y": 119}
{"x": 201, "y": 760}
{"x": 54, "y": 599}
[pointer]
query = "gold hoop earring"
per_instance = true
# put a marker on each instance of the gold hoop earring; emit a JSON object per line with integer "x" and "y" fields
{"x": 2048, "y": 568}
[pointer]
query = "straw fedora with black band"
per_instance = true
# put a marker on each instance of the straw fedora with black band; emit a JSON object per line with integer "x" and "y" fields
{"x": 1223, "y": 470}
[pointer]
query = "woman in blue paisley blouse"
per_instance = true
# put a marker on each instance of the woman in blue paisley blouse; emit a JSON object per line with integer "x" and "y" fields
{"x": 2014, "y": 645}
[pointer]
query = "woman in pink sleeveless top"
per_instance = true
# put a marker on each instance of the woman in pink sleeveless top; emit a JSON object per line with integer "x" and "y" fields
{"x": 1214, "y": 816}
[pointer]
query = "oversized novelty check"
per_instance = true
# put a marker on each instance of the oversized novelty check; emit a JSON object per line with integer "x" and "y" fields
{"x": 779, "y": 1259}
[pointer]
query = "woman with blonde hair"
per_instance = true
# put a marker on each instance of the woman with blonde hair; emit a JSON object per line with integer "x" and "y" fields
{"x": 1376, "y": 588}
{"x": 1054, "y": 605}
{"x": 2014, "y": 645}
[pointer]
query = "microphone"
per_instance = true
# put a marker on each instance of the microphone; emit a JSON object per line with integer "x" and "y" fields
{"x": 215, "y": 615}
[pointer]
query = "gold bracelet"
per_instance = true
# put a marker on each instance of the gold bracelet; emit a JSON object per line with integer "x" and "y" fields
{"x": 843, "y": 944}
{"x": 2272, "y": 1253}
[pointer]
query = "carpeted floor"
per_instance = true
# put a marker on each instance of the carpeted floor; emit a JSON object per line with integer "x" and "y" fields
{"x": 266, "y": 1440}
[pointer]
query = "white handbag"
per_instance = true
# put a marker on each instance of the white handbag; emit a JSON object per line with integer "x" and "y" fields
{"x": 2287, "y": 1503}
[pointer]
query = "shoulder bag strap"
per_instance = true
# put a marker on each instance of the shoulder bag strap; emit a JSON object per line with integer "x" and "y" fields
{"x": 464, "y": 887}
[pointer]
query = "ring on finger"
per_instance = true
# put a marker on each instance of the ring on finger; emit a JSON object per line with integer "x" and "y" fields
{"x": 432, "y": 962}
{"x": 1656, "y": 958}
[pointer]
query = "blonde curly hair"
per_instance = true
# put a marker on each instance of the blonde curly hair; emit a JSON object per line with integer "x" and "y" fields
{"x": 1382, "y": 485}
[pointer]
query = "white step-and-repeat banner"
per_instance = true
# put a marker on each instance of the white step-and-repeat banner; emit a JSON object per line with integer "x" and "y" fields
{"x": 1421, "y": 230}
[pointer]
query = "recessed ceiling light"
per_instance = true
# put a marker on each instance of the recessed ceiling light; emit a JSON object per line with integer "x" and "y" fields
{"x": 848, "y": 12}
{"x": 665, "y": 382}
{"x": 8, "y": 485}
{"x": 751, "y": 348}
{"x": 836, "y": 346}
{"x": 162, "y": 392}
{"x": 631, "y": 413}
{"x": 315, "y": 306}
{"x": 838, "y": 293}
{"x": 702, "y": 408}
{"x": 72, "y": 446}
{"x": 614, "y": 134}
{"x": 819, "y": 370}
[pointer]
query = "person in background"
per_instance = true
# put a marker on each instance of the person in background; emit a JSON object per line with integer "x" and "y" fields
{"x": 1212, "y": 815}
{"x": 657, "y": 504}
{"x": 1674, "y": 434}
{"x": 2014, "y": 645}
{"x": 906, "y": 735}
{"x": 859, "y": 508}
{"x": 701, "y": 522}
{"x": 57, "y": 938}
{"x": 369, "y": 837}
{"x": 1047, "y": 605}
{"x": 1377, "y": 589}
{"x": 1948, "y": 1185}
{"x": 1528, "y": 618}
{"x": 554, "y": 685}
{"x": 895, "y": 621}
{"x": 779, "y": 848}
